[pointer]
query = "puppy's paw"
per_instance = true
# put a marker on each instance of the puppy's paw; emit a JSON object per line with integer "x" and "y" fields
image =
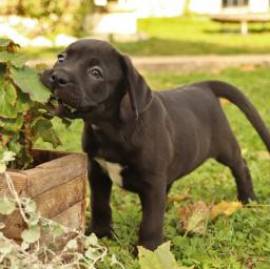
{"x": 247, "y": 198}
{"x": 150, "y": 244}
{"x": 100, "y": 231}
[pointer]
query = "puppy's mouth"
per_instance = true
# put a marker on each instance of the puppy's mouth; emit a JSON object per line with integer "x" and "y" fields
{"x": 63, "y": 110}
{"x": 69, "y": 108}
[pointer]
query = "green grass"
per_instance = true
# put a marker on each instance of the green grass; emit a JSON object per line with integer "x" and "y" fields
{"x": 239, "y": 241}
{"x": 192, "y": 35}
{"x": 196, "y": 35}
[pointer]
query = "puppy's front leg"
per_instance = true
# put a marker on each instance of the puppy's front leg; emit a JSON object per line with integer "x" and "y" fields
{"x": 101, "y": 185}
{"x": 153, "y": 199}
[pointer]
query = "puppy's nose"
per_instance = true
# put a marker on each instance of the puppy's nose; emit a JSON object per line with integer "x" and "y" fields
{"x": 60, "y": 78}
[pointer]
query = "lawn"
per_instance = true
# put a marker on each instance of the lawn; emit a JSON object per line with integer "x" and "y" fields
{"x": 196, "y": 35}
{"x": 239, "y": 241}
{"x": 192, "y": 35}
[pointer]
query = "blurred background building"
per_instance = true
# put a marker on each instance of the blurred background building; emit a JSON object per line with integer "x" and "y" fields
{"x": 57, "y": 23}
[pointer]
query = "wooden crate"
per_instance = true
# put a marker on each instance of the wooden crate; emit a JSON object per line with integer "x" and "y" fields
{"x": 58, "y": 186}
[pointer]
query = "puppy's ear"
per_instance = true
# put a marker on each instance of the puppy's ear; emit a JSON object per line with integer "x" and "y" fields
{"x": 137, "y": 92}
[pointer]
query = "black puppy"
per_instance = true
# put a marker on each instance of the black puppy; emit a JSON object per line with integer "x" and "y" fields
{"x": 141, "y": 139}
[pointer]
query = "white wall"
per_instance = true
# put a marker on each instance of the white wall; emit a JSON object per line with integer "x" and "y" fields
{"x": 259, "y": 5}
{"x": 215, "y": 6}
{"x": 122, "y": 23}
{"x": 159, "y": 8}
{"x": 205, "y": 6}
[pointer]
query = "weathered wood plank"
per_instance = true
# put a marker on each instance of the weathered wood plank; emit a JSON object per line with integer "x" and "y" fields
{"x": 19, "y": 180}
{"x": 72, "y": 217}
{"x": 54, "y": 173}
{"x": 54, "y": 201}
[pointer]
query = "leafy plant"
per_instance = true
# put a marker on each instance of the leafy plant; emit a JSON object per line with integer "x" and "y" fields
{"x": 24, "y": 115}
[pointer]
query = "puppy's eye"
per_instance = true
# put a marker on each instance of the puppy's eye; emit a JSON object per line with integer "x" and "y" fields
{"x": 95, "y": 72}
{"x": 61, "y": 58}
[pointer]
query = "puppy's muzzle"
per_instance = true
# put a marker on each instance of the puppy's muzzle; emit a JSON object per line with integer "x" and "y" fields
{"x": 59, "y": 79}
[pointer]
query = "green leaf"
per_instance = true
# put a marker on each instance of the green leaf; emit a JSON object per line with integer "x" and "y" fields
{"x": 33, "y": 218}
{"x": 91, "y": 240}
{"x": 31, "y": 235}
{"x": 16, "y": 59}
{"x": 24, "y": 245}
{"x": 91, "y": 254}
{"x": 12, "y": 125}
{"x": 8, "y": 156}
{"x": 30, "y": 208}
{"x": 30, "y": 205}
{"x": 6, "y": 206}
{"x": 57, "y": 230}
{"x": 114, "y": 260}
{"x": 23, "y": 103}
{"x": 72, "y": 244}
{"x": 8, "y": 99}
{"x": 14, "y": 144}
{"x": 43, "y": 128}
{"x": 148, "y": 259}
{"x": 161, "y": 258}
{"x": 28, "y": 81}
{"x": 5, "y": 138}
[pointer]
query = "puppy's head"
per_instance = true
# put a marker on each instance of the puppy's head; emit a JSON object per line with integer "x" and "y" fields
{"x": 90, "y": 76}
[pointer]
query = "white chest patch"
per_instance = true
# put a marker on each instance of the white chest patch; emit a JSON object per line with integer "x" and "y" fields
{"x": 113, "y": 169}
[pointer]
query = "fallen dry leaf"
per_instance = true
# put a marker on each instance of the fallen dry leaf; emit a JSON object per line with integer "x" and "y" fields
{"x": 224, "y": 208}
{"x": 194, "y": 218}
{"x": 179, "y": 197}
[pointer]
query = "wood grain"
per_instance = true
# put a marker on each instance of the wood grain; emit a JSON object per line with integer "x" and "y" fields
{"x": 54, "y": 173}
{"x": 72, "y": 217}
{"x": 19, "y": 180}
{"x": 56, "y": 200}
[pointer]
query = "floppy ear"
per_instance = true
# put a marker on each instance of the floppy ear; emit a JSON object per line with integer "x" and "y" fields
{"x": 137, "y": 92}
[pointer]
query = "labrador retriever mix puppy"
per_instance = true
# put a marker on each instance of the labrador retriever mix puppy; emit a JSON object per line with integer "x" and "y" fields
{"x": 145, "y": 140}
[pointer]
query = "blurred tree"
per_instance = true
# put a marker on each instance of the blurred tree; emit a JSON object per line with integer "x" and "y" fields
{"x": 60, "y": 14}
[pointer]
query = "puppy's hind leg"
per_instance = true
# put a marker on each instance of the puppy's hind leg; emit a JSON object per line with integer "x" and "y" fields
{"x": 231, "y": 157}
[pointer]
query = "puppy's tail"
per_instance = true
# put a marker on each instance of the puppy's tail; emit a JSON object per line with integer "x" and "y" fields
{"x": 234, "y": 95}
